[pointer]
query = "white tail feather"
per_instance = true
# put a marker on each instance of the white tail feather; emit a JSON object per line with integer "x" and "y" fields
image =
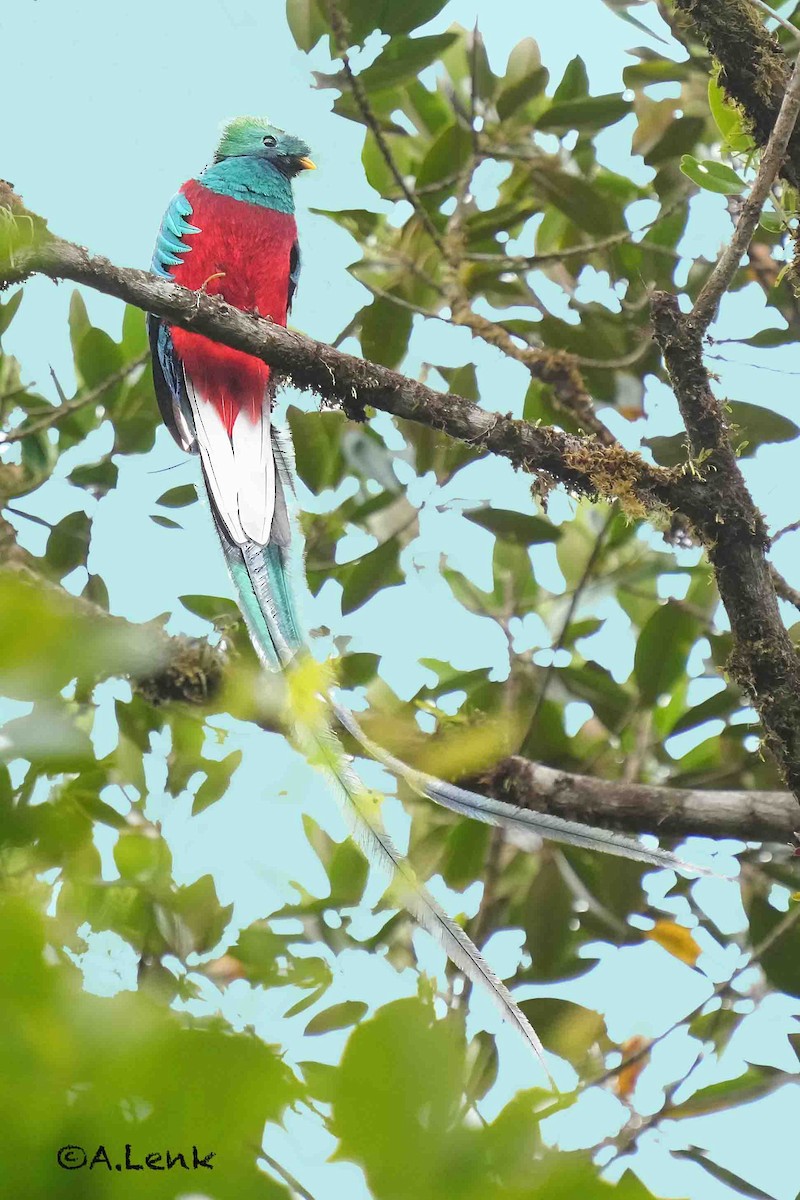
{"x": 255, "y": 474}
{"x": 523, "y": 824}
{"x": 240, "y": 468}
{"x": 219, "y": 467}
{"x": 361, "y": 813}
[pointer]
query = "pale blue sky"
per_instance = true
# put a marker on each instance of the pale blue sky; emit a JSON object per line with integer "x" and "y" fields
{"x": 123, "y": 106}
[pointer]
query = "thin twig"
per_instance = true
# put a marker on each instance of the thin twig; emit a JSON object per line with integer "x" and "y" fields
{"x": 57, "y": 413}
{"x": 783, "y": 588}
{"x": 772, "y": 158}
{"x": 720, "y": 991}
{"x": 793, "y": 528}
{"x": 362, "y": 100}
{"x": 286, "y": 1176}
{"x": 769, "y": 12}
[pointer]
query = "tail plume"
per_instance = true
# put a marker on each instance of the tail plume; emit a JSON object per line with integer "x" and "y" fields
{"x": 362, "y": 812}
{"x": 262, "y": 575}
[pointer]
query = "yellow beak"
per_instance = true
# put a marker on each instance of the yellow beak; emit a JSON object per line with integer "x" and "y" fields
{"x": 307, "y": 163}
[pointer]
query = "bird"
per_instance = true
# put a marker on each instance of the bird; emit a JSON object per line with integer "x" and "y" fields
{"x": 231, "y": 231}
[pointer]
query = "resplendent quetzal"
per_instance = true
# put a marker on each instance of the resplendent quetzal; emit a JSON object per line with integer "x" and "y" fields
{"x": 230, "y": 231}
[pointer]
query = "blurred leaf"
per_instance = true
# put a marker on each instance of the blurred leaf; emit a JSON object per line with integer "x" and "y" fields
{"x": 447, "y": 154}
{"x": 722, "y": 1174}
{"x": 385, "y": 330}
{"x": 178, "y": 497}
{"x": 718, "y": 1097}
{"x": 339, "y": 1016}
{"x": 68, "y": 543}
{"x": 98, "y": 478}
{"x": 728, "y": 119}
{"x": 370, "y": 573}
{"x": 8, "y": 311}
{"x": 712, "y": 176}
{"x": 201, "y": 913}
{"x": 519, "y": 528}
{"x": 758, "y": 426}
{"x": 142, "y": 858}
{"x": 525, "y": 78}
{"x": 588, "y": 114}
{"x": 164, "y": 522}
{"x": 317, "y": 442}
{"x": 780, "y": 962}
{"x": 306, "y": 23}
{"x": 402, "y": 59}
{"x": 662, "y": 649}
{"x": 217, "y": 781}
{"x": 212, "y": 608}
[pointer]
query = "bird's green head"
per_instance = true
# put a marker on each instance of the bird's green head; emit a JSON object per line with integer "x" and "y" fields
{"x": 255, "y": 137}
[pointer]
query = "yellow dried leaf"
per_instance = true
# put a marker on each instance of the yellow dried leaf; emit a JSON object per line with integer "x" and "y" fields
{"x": 628, "y": 1075}
{"x": 676, "y": 940}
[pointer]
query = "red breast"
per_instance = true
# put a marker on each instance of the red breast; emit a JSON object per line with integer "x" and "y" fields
{"x": 242, "y": 254}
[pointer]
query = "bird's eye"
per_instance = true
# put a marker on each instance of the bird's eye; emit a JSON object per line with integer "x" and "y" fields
{"x": 270, "y": 141}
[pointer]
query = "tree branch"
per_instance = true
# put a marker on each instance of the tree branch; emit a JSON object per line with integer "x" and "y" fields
{"x": 764, "y": 660}
{"x": 579, "y": 463}
{"x": 639, "y": 807}
{"x": 774, "y": 154}
{"x": 755, "y": 71}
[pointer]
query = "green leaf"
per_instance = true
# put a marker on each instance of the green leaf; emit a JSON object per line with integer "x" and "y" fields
{"x": 99, "y": 356}
{"x": 8, "y": 311}
{"x": 722, "y": 1174}
{"x": 134, "y": 333}
{"x": 780, "y": 962}
{"x": 574, "y": 83}
{"x": 465, "y": 855}
{"x": 728, "y": 119}
{"x": 141, "y": 858}
{"x": 402, "y": 59}
{"x": 79, "y": 322}
{"x": 96, "y": 591}
{"x": 721, "y": 704}
{"x": 662, "y": 649}
{"x": 385, "y": 330}
{"x": 671, "y": 451}
{"x": 46, "y": 643}
{"x": 212, "y": 608}
{"x": 68, "y": 543}
{"x": 521, "y": 529}
{"x": 525, "y": 78}
{"x": 758, "y": 427}
{"x": 357, "y": 221}
{"x": 594, "y": 684}
{"x": 587, "y": 115}
{"x": 317, "y": 439}
{"x": 217, "y": 781}
{"x": 446, "y": 155}
{"x": 98, "y": 478}
{"x": 712, "y": 176}
{"x": 201, "y": 913}
{"x": 387, "y": 15}
{"x": 338, "y": 1016}
{"x": 178, "y": 497}
{"x": 306, "y": 23}
{"x": 717, "y": 1097}
{"x": 347, "y": 872}
{"x": 369, "y": 574}
{"x": 585, "y": 206}
{"x": 164, "y": 522}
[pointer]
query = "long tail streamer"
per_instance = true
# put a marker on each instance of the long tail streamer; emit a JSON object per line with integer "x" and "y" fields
{"x": 262, "y": 576}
